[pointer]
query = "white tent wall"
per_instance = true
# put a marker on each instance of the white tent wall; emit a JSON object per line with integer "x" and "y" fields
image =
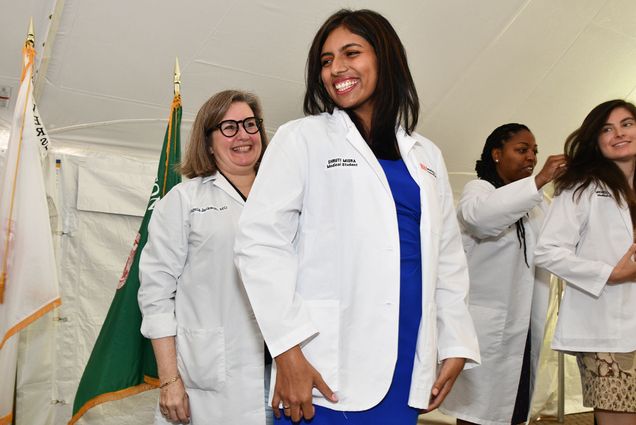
{"x": 101, "y": 197}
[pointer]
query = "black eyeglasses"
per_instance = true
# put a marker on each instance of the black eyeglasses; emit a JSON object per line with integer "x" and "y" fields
{"x": 229, "y": 128}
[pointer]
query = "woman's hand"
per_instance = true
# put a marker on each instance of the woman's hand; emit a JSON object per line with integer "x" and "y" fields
{"x": 295, "y": 378}
{"x": 625, "y": 269}
{"x": 173, "y": 400}
{"x": 449, "y": 372}
{"x": 174, "y": 404}
{"x": 554, "y": 166}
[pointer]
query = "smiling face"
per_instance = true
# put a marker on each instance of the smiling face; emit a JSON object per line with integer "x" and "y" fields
{"x": 517, "y": 158}
{"x": 350, "y": 72}
{"x": 237, "y": 155}
{"x": 617, "y": 140}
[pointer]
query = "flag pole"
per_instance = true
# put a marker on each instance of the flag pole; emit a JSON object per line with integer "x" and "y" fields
{"x": 177, "y": 78}
{"x": 29, "y": 49}
{"x": 31, "y": 35}
{"x": 176, "y": 102}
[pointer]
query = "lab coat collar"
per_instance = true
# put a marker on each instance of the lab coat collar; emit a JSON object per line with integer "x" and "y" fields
{"x": 405, "y": 141}
{"x": 221, "y": 182}
{"x": 405, "y": 144}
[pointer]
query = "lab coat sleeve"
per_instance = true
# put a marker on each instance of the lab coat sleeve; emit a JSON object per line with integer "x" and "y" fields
{"x": 161, "y": 264}
{"x": 264, "y": 250}
{"x": 556, "y": 248}
{"x": 456, "y": 331}
{"x": 486, "y": 212}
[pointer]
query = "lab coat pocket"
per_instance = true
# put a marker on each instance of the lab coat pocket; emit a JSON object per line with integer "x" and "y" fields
{"x": 489, "y": 324}
{"x": 322, "y": 350}
{"x": 201, "y": 358}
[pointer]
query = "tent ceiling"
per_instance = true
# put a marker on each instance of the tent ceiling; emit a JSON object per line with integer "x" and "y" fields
{"x": 107, "y": 78}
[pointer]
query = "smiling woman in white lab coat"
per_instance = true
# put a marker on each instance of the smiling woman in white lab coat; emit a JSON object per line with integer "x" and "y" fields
{"x": 208, "y": 347}
{"x": 500, "y": 215}
{"x": 348, "y": 246}
{"x": 588, "y": 240}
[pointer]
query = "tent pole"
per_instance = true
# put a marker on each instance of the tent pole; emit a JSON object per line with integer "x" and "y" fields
{"x": 42, "y": 67}
{"x": 561, "y": 367}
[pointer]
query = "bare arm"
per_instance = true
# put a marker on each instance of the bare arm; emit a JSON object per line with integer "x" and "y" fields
{"x": 173, "y": 399}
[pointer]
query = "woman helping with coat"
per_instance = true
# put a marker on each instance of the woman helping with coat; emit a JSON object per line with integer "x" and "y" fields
{"x": 348, "y": 246}
{"x": 588, "y": 241}
{"x": 208, "y": 347}
{"x": 500, "y": 215}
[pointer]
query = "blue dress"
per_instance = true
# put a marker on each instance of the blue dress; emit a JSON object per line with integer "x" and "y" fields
{"x": 394, "y": 409}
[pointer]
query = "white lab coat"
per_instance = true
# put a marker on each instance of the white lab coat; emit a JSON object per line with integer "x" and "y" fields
{"x": 190, "y": 288}
{"x": 502, "y": 288}
{"x": 581, "y": 242}
{"x": 318, "y": 250}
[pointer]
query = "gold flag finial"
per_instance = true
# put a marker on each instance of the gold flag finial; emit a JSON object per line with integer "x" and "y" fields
{"x": 177, "y": 77}
{"x": 31, "y": 35}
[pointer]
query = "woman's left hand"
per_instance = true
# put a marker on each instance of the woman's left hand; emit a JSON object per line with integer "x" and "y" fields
{"x": 449, "y": 372}
{"x": 174, "y": 404}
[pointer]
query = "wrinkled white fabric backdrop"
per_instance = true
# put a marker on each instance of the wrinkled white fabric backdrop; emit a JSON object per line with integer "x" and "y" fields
{"x": 98, "y": 199}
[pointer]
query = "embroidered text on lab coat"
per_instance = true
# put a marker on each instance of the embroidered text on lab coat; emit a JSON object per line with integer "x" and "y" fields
{"x": 341, "y": 162}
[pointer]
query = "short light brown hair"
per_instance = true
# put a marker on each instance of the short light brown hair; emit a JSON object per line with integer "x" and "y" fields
{"x": 198, "y": 161}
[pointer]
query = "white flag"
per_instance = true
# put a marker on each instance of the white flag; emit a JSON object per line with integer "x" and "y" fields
{"x": 28, "y": 273}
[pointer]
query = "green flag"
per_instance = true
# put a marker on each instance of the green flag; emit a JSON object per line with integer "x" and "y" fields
{"x": 122, "y": 362}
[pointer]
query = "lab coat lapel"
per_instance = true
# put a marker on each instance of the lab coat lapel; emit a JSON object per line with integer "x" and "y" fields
{"x": 405, "y": 144}
{"x": 355, "y": 138}
{"x": 627, "y": 219}
{"x": 418, "y": 169}
{"x": 222, "y": 183}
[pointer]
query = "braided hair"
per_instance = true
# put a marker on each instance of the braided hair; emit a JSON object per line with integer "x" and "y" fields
{"x": 487, "y": 170}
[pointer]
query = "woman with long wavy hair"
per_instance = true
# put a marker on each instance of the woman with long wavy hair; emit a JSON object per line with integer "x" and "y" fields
{"x": 588, "y": 240}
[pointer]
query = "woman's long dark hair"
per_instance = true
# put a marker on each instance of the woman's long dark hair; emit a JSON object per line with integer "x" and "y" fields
{"x": 486, "y": 169}
{"x": 586, "y": 163}
{"x": 395, "y": 98}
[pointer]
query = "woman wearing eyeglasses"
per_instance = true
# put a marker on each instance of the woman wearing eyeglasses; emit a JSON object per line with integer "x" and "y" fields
{"x": 209, "y": 350}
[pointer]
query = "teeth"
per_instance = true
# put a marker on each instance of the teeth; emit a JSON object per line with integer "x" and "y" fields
{"x": 345, "y": 84}
{"x": 242, "y": 148}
